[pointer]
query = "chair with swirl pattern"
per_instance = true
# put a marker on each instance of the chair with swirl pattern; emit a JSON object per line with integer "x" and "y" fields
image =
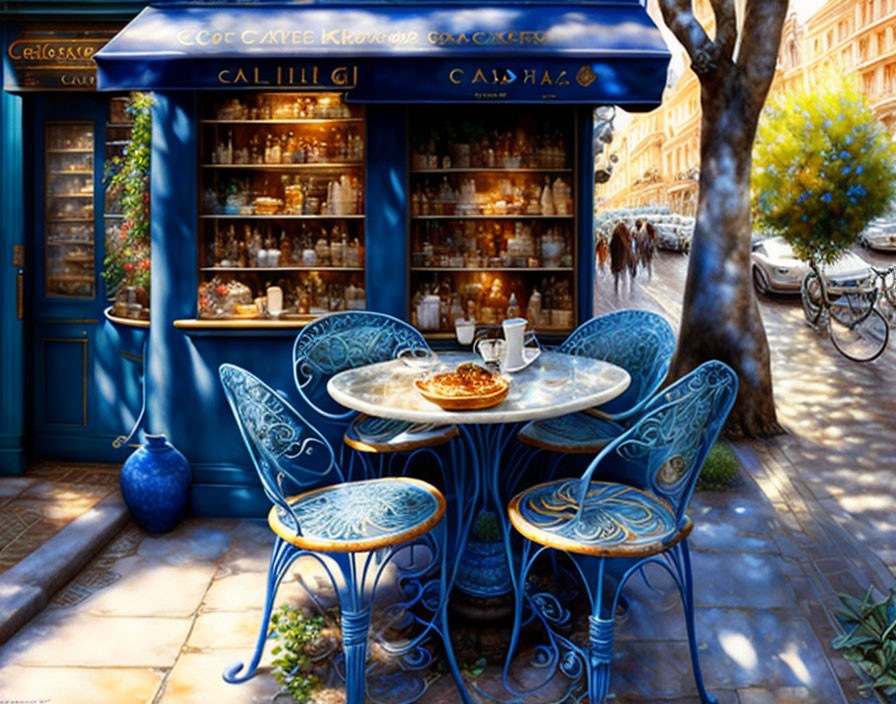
{"x": 633, "y": 515}
{"x": 347, "y": 339}
{"x": 640, "y": 342}
{"x": 352, "y": 529}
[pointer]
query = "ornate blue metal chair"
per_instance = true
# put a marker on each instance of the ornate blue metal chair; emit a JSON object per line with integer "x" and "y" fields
{"x": 353, "y": 529}
{"x": 633, "y": 516}
{"x": 640, "y": 342}
{"x": 350, "y": 339}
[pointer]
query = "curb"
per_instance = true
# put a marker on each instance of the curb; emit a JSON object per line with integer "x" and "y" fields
{"x": 26, "y": 588}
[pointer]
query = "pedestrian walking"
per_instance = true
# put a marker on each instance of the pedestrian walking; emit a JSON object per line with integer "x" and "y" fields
{"x": 602, "y": 251}
{"x": 620, "y": 253}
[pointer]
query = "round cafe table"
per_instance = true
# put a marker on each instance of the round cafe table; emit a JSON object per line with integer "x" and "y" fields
{"x": 553, "y": 385}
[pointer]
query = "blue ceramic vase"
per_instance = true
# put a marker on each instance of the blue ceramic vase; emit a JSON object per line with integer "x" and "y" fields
{"x": 155, "y": 483}
{"x": 483, "y": 571}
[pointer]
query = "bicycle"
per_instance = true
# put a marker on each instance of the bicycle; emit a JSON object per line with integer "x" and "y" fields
{"x": 885, "y": 283}
{"x": 858, "y": 330}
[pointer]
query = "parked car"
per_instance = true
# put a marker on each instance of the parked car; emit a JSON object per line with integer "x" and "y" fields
{"x": 880, "y": 234}
{"x": 776, "y": 269}
{"x": 675, "y": 238}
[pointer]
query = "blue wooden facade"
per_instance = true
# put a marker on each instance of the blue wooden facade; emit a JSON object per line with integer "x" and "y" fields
{"x": 183, "y": 397}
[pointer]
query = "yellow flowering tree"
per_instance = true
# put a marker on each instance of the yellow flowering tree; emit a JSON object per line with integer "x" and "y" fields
{"x": 823, "y": 167}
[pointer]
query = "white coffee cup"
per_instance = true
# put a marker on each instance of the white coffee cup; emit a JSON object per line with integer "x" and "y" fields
{"x": 464, "y": 329}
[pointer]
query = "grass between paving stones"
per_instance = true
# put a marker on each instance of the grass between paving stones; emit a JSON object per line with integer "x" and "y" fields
{"x": 721, "y": 471}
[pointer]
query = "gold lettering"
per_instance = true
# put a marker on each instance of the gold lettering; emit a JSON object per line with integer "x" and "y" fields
{"x": 255, "y": 75}
{"x": 480, "y": 38}
{"x": 529, "y": 76}
{"x": 455, "y": 75}
{"x": 314, "y": 75}
{"x": 202, "y": 37}
{"x": 560, "y": 79}
{"x": 224, "y": 76}
{"x": 229, "y": 37}
{"x": 291, "y": 76}
{"x": 546, "y": 79}
{"x": 240, "y": 77}
{"x": 183, "y": 37}
{"x": 432, "y": 38}
{"x": 279, "y": 75}
{"x": 339, "y": 77}
{"x": 248, "y": 37}
{"x": 478, "y": 76}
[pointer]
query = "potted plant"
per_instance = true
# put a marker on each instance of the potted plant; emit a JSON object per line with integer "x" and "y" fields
{"x": 127, "y": 265}
{"x": 869, "y": 641}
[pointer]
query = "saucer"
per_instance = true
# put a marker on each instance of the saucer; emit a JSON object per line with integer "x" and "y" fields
{"x": 530, "y": 354}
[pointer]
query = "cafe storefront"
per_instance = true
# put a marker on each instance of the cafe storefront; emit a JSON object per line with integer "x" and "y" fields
{"x": 429, "y": 162}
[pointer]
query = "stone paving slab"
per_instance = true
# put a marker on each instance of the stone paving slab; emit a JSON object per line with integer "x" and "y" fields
{"x": 196, "y": 679}
{"x": 65, "y": 685}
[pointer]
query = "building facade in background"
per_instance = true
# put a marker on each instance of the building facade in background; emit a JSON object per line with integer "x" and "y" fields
{"x": 659, "y": 152}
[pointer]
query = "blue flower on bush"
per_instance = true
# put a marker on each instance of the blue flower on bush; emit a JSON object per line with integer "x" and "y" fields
{"x": 826, "y": 198}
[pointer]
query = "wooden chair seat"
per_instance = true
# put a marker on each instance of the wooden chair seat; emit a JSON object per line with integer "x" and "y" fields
{"x": 360, "y": 516}
{"x": 616, "y": 521}
{"x": 575, "y": 433}
{"x": 371, "y": 434}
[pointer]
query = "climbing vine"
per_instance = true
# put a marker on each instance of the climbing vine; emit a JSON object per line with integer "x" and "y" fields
{"x": 126, "y": 179}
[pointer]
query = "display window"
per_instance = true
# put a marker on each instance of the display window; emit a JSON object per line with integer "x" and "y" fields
{"x": 492, "y": 221}
{"x": 282, "y": 206}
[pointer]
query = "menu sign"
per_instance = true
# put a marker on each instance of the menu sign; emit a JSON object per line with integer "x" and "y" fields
{"x": 55, "y": 59}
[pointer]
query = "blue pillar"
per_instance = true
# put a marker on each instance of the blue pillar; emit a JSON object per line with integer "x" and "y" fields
{"x": 386, "y": 210}
{"x": 12, "y": 227}
{"x": 174, "y": 273}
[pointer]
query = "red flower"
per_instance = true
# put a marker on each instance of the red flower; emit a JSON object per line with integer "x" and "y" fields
{"x": 128, "y": 266}
{"x": 143, "y": 264}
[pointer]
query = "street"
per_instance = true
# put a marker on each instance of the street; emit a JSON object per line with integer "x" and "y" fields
{"x": 839, "y": 416}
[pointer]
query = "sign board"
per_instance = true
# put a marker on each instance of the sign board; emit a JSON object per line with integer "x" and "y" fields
{"x": 44, "y": 58}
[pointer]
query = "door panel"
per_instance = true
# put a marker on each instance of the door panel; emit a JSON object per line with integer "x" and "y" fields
{"x": 64, "y": 374}
{"x": 81, "y": 384}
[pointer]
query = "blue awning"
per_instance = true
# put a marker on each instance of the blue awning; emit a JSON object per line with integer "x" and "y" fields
{"x": 591, "y": 54}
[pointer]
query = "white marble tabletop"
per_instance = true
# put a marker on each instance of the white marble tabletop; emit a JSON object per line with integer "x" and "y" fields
{"x": 553, "y": 385}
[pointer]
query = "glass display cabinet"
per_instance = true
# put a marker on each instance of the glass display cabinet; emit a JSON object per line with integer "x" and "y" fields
{"x": 281, "y": 231}
{"x": 69, "y": 229}
{"x": 492, "y": 221}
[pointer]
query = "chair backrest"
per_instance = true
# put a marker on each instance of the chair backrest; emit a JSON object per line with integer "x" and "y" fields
{"x": 665, "y": 450}
{"x": 345, "y": 340}
{"x": 289, "y": 454}
{"x": 639, "y": 341}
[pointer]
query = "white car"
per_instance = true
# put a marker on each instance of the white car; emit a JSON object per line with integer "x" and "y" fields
{"x": 776, "y": 269}
{"x": 880, "y": 234}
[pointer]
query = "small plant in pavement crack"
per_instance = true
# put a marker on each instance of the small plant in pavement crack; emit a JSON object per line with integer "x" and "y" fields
{"x": 297, "y": 635}
{"x": 869, "y": 639}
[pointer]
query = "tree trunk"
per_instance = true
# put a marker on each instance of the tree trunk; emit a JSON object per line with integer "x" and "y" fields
{"x": 720, "y": 316}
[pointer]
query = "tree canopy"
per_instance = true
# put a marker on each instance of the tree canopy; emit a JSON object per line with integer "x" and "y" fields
{"x": 823, "y": 167}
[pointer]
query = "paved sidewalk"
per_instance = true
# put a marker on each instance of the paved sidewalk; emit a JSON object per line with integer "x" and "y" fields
{"x": 158, "y": 618}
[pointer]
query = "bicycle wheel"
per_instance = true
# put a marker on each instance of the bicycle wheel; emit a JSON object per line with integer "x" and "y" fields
{"x": 854, "y": 306}
{"x": 862, "y": 341}
{"x": 810, "y": 292}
